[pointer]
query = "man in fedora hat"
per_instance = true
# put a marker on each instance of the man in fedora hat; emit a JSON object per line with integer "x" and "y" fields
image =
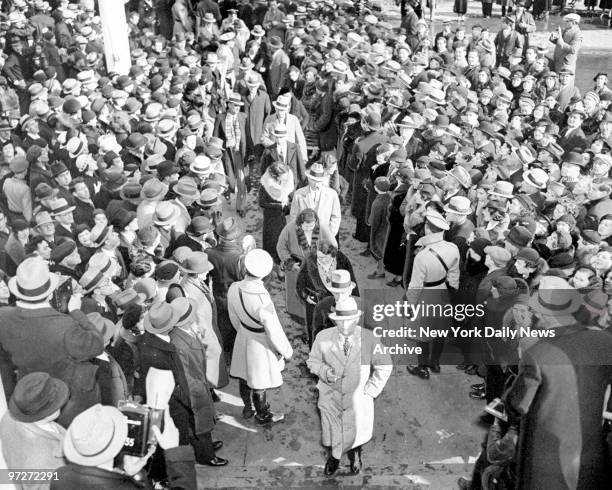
{"x": 194, "y": 357}
{"x": 96, "y": 438}
{"x": 341, "y": 287}
{"x": 31, "y": 436}
{"x": 261, "y": 347}
{"x": 317, "y": 195}
{"x": 285, "y": 152}
{"x": 33, "y": 336}
{"x": 230, "y": 126}
{"x": 346, "y": 390}
{"x": 197, "y": 285}
{"x": 570, "y": 368}
{"x": 257, "y": 108}
{"x": 434, "y": 271}
{"x": 282, "y": 117}
{"x": 198, "y": 236}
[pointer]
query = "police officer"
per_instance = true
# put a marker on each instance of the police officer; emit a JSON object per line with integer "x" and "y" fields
{"x": 435, "y": 273}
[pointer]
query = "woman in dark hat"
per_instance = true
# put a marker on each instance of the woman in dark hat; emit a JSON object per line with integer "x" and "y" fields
{"x": 314, "y": 278}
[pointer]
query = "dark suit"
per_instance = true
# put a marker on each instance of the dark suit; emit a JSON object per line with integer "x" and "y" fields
{"x": 459, "y": 234}
{"x": 558, "y": 396}
{"x": 83, "y": 214}
{"x": 33, "y": 340}
{"x": 505, "y": 46}
{"x": 225, "y": 257}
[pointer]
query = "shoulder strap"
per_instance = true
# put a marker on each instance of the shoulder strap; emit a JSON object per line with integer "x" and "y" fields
{"x": 244, "y": 308}
{"x": 439, "y": 258}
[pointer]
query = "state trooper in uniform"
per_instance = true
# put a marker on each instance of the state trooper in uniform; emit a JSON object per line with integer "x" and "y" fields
{"x": 261, "y": 347}
{"x": 435, "y": 273}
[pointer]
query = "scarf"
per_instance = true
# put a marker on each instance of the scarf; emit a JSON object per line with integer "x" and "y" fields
{"x": 279, "y": 191}
{"x": 303, "y": 241}
{"x": 232, "y": 131}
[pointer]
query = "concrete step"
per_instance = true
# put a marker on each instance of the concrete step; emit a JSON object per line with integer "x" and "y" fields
{"x": 292, "y": 475}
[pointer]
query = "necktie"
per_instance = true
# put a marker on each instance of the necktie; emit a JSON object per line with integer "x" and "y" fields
{"x": 346, "y": 346}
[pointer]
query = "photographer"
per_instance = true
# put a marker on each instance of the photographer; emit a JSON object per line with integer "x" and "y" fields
{"x": 567, "y": 43}
{"x": 93, "y": 445}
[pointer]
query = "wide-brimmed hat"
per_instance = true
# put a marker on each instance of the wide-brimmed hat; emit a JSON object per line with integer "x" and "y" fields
{"x": 186, "y": 187}
{"x": 519, "y": 236}
{"x": 104, "y": 326}
{"x": 555, "y": 297}
{"x": 228, "y": 229}
{"x": 199, "y": 226}
{"x": 185, "y": 309}
{"x": 345, "y": 309}
{"x": 374, "y": 90}
{"x": 461, "y": 175}
{"x": 197, "y": 263}
{"x": 436, "y": 219}
{"x": 61, "y": 206}
{"x": 282, "y": 103}
{"x": 130, "y": 296}
{"x": 160, "y": 319}
{"x": 235, "y": 99}
{"x": 258, "y": 31}
{"x": 166, "y": 213}
{"x": 275, "y": 42}
{"x": 316, "y": 172}
{"x": 36, "y": 396}
{"x": 536, "y": 177}
{"x": 459, "y": 205}
{"x": 341, "y": 281}
{"x": 209, "y": 198}
{"x": 92, "y": 278}
{"x": 258, "y": 263}
{"x": 408, "y": 122}
{"x": 33, "y": 281}
{"x": 502, "y": 189}
{"x": 227, "y": 36}
{"x": 95, "y": 436}
{"x": 201, "y": 165}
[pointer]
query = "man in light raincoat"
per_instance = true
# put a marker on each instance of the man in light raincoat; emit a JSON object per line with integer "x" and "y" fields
{"x": 352, "y": 372}
{"x": 261, "y": 346}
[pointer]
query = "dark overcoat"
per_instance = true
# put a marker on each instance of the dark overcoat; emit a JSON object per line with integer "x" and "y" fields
{"x": 558, "y": 396}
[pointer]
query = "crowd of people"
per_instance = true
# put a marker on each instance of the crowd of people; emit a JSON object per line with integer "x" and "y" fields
{"x": 474, "y": 170}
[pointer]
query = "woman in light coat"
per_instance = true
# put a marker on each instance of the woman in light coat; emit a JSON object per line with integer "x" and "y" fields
{"x": 261, "y": 346}
{"x": 351, "y": 374}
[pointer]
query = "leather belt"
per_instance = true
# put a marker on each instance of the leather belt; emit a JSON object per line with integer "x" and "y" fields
{"x": 434, "y": 283}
